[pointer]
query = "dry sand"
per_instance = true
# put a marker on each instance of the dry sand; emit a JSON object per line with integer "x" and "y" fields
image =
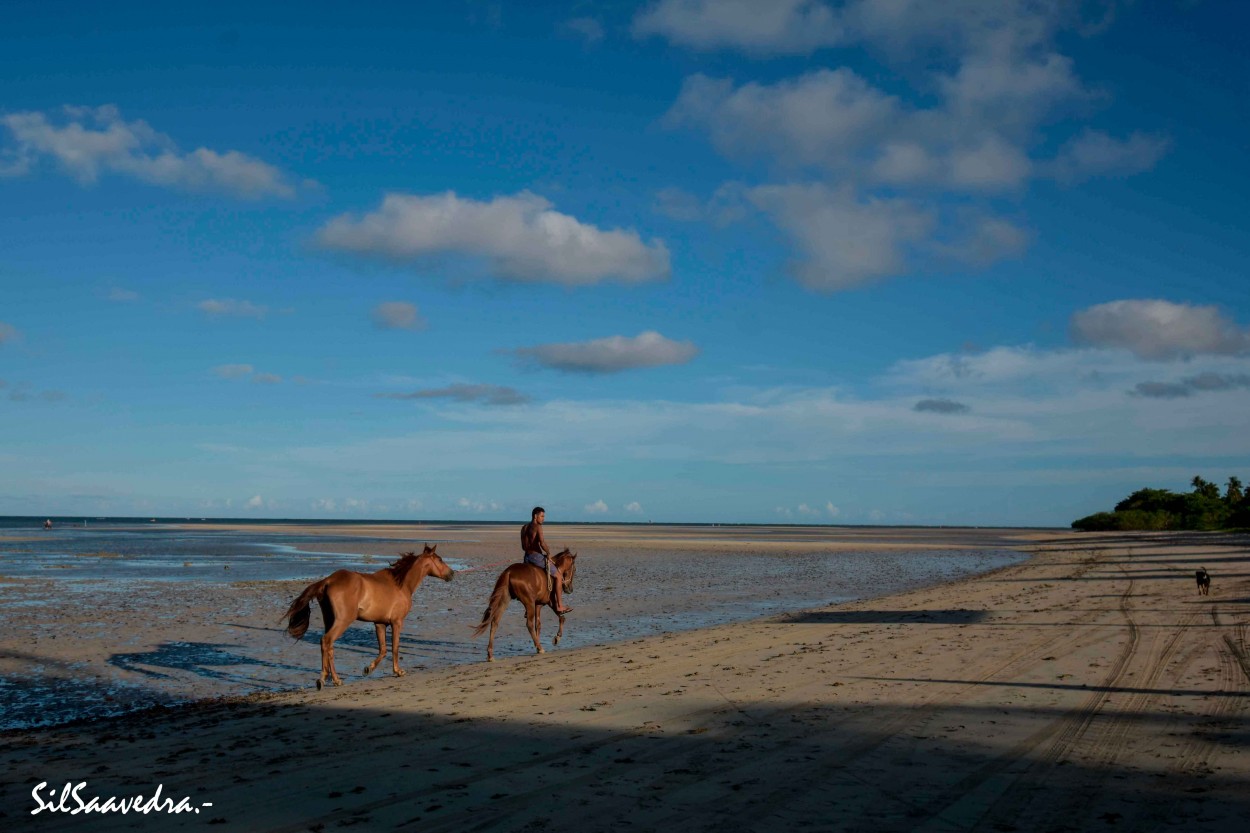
{"x": 1087, "y": 689}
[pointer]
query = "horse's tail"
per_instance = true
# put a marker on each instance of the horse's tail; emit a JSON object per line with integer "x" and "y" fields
{"x": 300, "y": 610}
{"x": 494, "y": 608}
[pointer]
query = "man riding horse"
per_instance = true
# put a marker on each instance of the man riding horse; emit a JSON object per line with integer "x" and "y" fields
{"x": 536, "y": 552}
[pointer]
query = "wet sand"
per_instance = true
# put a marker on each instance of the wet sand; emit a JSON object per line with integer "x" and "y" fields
{"x": 92, "y": 632}
{"x": 1088, "y": 688}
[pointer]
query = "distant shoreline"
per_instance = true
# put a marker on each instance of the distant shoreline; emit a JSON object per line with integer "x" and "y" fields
{"x": 18, "y": 521}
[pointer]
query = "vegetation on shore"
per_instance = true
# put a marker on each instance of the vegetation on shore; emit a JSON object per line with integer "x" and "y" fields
{"x": 1203, "y": 508}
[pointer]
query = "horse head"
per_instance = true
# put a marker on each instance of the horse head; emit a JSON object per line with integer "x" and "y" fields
{"x": 567, "y": 562}
{"x": 436, "y": 566}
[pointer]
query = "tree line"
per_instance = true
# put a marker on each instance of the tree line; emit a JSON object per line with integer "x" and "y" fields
{"x": 1203, "y": 508}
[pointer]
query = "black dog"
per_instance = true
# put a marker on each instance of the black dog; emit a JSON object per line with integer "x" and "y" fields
{"x": 1204, "y": 581}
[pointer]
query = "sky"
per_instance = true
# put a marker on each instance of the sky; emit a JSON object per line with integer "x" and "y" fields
{"x": 809, "y": 261}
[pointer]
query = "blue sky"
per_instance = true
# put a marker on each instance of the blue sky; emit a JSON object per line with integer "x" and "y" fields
{"x": 873, "y": 261}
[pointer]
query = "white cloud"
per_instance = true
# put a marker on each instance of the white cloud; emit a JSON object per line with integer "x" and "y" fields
{"x": 1202, "y": 383}
{"x": 256, "y": 502}
{"x": 823, "y": 118}
{"x": 267, "y": 379}
{"x": 633, "y": 507}
{"x": 8, "y": 333}
{"x": 520, "y": 236}
{"x": 1009, "y": 87}
{"x": 596, "y": 508}
{"x": 88, "y": 142}
{"x": 587, "y": 28}
{"x": 397, "y": 315}
{"x": 983, "y": 240}
{"x": 836, "y": 121}
{"x": 845, "y": 241}
{"x": 1160, "y": 330}
{"x": 233, "y": 371}
{"x": 478, "y": 506}
{"x": 218, "y": 308}
{"x": 899, "y": 26}
{"x": 774, "y": 27}
{"x": 612, "y": 354}
{"x": 678, "y": 204}
{"x": 1095, "y": 153}
{"x": 832, "y": 510}
{"x": 725, "y": 206}
{"x": 913, "y": 159}
{"x": 122, "y": 295}
{"x": 1068, "y": 408}
{"x": 940, "y": 406}
{"x": 324, "y": 504}
{"x": 989, "y": 165}
{"x": 486, "y": 394}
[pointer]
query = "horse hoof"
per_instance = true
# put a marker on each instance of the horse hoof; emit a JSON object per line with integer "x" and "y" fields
{"x": 399, "y": 672}
{"x": 541, "y": 651}
{"x": 338, "y": 682}
{"x": 490, "y": 659}
{"x": 320, "y": 684}
{"x": 368, "y": 670}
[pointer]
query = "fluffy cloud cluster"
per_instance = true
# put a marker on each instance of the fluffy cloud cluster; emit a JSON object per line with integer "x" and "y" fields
{"x": 1160, "y": 330}
{"x": 879, "y": 181}
{"x": 87, "y": 142}
{"x": 521, "y": 237}
{"x": 611, "y": 355}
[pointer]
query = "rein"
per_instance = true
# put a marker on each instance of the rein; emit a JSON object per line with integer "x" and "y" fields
{"x": 485, "y": 567}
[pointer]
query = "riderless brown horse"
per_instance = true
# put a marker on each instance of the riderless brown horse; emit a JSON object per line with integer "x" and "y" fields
{"x": 528, "y": 584}
{"x": 384, "y": 598}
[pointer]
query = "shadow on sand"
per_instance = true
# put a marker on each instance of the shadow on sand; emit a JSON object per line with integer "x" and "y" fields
{"x": 885, "y": 617}
{"x": 294, "y": 767}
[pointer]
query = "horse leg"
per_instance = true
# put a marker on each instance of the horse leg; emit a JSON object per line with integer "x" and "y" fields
{"x": 490, "y": 642}
{"x": 395, "y": 628}
{"x": 559, "y": 633}
{"x": 380, "y": 629}
{"x": 328, "y": 620}
{"x": 341, "y": 621}
{"x": 531, "y": 621}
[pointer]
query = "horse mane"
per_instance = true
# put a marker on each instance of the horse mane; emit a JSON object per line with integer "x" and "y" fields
{"x": 402, "y": 567}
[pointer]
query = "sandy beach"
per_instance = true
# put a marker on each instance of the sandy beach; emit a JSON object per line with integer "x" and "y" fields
{"x": 1086, "y": 688}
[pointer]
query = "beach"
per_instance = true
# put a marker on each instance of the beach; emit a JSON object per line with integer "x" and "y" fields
{"x": 1087, "y": 687}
